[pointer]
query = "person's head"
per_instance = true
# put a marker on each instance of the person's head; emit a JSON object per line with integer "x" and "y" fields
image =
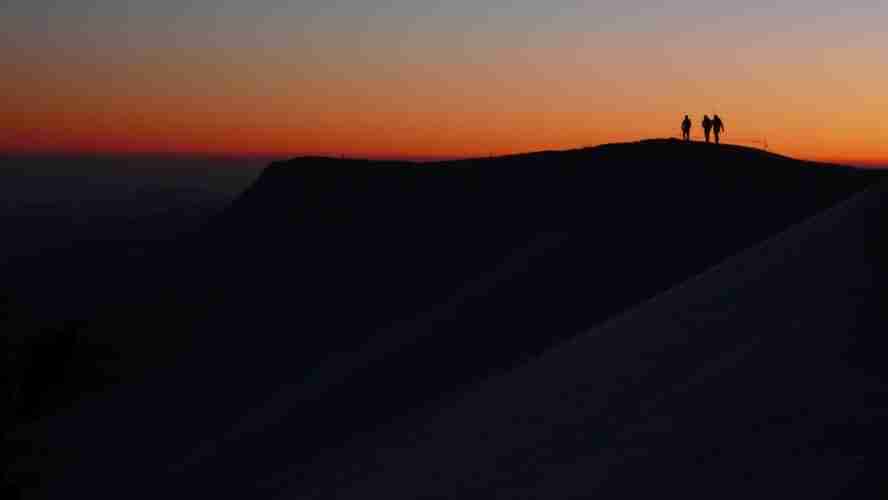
{"x": 706, "y": 117}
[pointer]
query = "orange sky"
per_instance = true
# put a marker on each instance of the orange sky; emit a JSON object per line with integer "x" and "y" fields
{"x": 813, "y": 92}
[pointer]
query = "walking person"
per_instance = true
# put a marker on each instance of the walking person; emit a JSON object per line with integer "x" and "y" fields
{"x": 717, "y": 127}
{"x": 686, "y": 128}
{"x": 707, "y": 126}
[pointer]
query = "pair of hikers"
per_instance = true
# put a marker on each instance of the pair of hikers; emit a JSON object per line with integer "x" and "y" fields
{"x": 713, "y": 125}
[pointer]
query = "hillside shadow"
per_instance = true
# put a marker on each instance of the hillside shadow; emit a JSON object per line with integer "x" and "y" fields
{"x": 337, "y": 296}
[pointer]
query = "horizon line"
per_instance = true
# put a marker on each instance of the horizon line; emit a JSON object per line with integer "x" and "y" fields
{"x": 414, "y": 158}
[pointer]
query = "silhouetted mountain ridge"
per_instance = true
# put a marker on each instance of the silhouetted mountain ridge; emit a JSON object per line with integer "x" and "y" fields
{"x": 335, "y": 296}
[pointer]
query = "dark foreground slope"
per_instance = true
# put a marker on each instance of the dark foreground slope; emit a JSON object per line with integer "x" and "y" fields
{"x": 337, "y": 296}
{"x": 763, "y": 378}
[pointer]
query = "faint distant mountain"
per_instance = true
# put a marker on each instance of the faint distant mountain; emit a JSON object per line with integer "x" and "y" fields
{"x": 67, "y": 220}
{"x": 339, "y": 298}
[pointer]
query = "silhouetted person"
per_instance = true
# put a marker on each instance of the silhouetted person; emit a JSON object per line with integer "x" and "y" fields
{"x": 686, "y": 128}
{"x": 707, "y": 126}
{"x": 717, "y": 127}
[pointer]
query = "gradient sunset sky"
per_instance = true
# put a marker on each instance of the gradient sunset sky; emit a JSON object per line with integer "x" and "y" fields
{"x": 424, "y": 78}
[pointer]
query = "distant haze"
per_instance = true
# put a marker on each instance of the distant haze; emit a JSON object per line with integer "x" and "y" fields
{"x": 429, "y": 79}
{"x": 63, "y": 180}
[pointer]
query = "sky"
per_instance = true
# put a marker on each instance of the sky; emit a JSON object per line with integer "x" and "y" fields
{"x": 431, "y": 79}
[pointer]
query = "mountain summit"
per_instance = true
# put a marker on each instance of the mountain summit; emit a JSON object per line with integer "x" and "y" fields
{"x": 337, "y": 300}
